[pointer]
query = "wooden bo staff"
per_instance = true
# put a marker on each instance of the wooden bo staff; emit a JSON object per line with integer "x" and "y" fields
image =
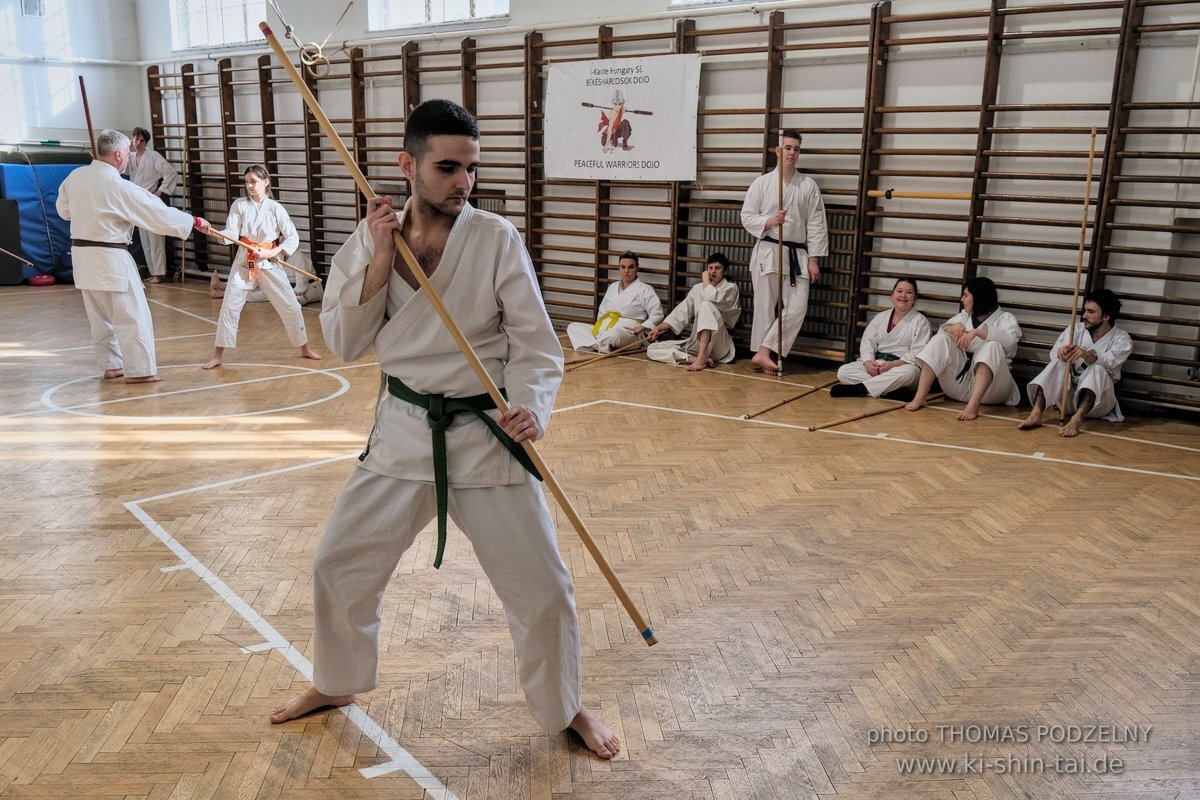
{"x": 577, "y": 364}
{"x": 1087, "y": 196}
{"x": 476, "y": 365}
{"x": 787, "y": 400}
{"x": 87, "y": 114}
{"x": 779, "y": 255}
{"x": 17, "y": 257}
{"x": 874, "y": 413}
{"x": 218, "y": 235}
{"x": 888, "y": 194}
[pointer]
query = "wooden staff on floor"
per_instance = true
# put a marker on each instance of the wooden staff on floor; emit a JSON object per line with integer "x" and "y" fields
{"x": 1087, "y": 196}
{"x": 218, "y": 235}
{"x": 874, "y": 413}
{"x": 14, "y": 255}
{"x": 787, "y": 400}
{"x": 87, "y": 115}
{"x": 779, "y": 253}
{"x": 583, "y": 363}
{"x": 477, "y": 367}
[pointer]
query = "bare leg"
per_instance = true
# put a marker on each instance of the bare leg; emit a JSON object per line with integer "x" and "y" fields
{"x": 983, "y": 379}
{"x": 215, "y": 286}
{"x": 307, "y": 702}
{"x": 109, "y": 374}
{"x": 1087, "y": 399}
{"x": 701, "y": 360}
{"x": 1034, "y": 420}
{"x": 307, "y": 352}
{"x": 762, "y": 359}
{"x": 595, "y": 734}
{"x": 923, "y": 387}
{"x": 216, "y": 361}
{"x": 144, "y": 379}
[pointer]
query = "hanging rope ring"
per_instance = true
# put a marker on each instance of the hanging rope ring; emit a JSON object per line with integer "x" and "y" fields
{"x": 312, "y": 57}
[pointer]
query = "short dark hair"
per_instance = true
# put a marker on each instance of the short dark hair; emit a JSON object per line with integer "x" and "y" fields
{"x": 632, "y": 256}
{"x": 1110, "y": 304}
{"x": 142, "y": 132}
{"x": 791, "y": 133}
{"x": 984, "y": 293}
{"x": 436, "y": 118}
{"x": 911, "y": 281}
{"x": 720, "y": 258}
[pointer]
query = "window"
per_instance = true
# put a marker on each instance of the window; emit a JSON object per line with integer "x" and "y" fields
{"x": 208, "y": 23}
{"x": 383, "y": 14}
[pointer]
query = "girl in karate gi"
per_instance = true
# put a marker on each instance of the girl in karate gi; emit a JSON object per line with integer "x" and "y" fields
{"x": 261, "y": 220}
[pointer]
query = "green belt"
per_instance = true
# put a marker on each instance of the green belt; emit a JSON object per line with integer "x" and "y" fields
{"x": 886, "y": 357}
{"x": 441, "y": 413}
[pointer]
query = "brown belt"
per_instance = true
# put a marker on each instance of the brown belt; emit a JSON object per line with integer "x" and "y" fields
{"x": 90, "y": 243}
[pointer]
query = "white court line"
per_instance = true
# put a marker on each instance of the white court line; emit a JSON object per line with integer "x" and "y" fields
{"x": 400, "y": 758}
{"x": 714, "y": 371}
{"x": 156, "y": 340}
{"x": 212, "y": 322}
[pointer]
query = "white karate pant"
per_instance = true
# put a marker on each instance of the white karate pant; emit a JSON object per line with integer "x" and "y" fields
{"x": 765, "y": 327}
{"x": 155, "y": 250}
{"x": 274, "y": 284}
{"x": 1094, "y": 378}
{"x": 705, "y": 316}
{"x": 946, "y": 360}
{"x": 122, "y": 328}
{"x": 613, "y": 338}
{"x": 376, "y": 519}
{"x": 896, "y": 378}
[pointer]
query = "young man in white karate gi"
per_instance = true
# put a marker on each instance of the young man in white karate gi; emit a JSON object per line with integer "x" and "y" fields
{"x": 710, "y": 309}
{"x": 150, "y": 170}
{"x": 630, "y": 307}
{"x": 1094, "y": 362}
{"x": 801, "y": 224}
{"x": 103, "y": 209}
{"x": 478, "y": 263}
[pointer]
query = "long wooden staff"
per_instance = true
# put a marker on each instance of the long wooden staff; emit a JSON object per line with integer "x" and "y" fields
{"x": 787, "y": 400}
{"x": 779, "y": 256}
{"x": 17, "y": 257}
{"x": 631, "y": 346}
{"x": 473, "y": 360}
{"x": 218, "y": 235}
{"x": 87, "y": 114}
{"x": 874, "y": 413}
{"x": 888, "y": 194}
{"x": 1087, "y": 196}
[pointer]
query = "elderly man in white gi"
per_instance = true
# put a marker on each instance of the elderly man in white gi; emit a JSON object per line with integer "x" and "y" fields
{"x": 435, "y": 448}
{"x": 800, "y": 221}
{"x": 1094, "y": 362}
{"x": 711, "y": 308}
{"x": 889, "y": 348}
{"x": 149, "y": 170}
{"x": 971, "y": 355}
{"x": 103, "y": 209}
{"x": 629, "y": 308}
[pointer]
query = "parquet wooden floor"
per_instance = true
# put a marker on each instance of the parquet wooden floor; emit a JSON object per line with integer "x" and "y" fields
{"x": 902, "y": 607}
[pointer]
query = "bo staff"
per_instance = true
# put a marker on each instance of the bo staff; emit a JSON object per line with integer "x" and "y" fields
{"x": 17, "y": 257}
{"x": 779, "y": 257}
{"x": 874, "y": 413}
{"x": 218, "y": 235}
{"x": 472, "y": 359}
{"x": 87, "y": 114}
{"x": 787, "y": 400}
{"x": 1087, "y": 196}
{"x": 888, "y": 194}
{"x": 627, "y": 111}
{"x": 631, "y": 346}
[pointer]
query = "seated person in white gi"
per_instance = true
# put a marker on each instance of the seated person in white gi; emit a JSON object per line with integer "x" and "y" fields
{"x": 628, "y": 309}
{"x": 263, "y": 222}
{"x": 711, "y": 308}
{"x": 1095, "y": 365}
{"x": 971, "y": 355}
{"x": 438, "y": 446}
{"x": 888, "y": 350}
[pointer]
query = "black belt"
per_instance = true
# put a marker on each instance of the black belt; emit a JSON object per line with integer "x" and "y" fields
{"x": 90, "y": 243}
{"x": 793, "y": 258}
{"x": 441, "y": 413}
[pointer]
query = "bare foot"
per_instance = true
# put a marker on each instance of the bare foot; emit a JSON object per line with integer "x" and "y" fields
{"x": 154, "y": 279}
{"x": 914, "y": 405}
{"x": 307, "y": 352}
{"x": 598, "y": 737}
{"x": 695, "y": 364}
{"x": 109, "y": 374}
{"x": 216, "y": 362}
{"x": 144, "y": 379}
{"x": 307, "y": 702}
{"x": 1034, "y": 420}
{"x": 969, "y": 413}
{"x": 215, "y": 286}
{"x": 1070, "y": 429}
{"x": 765, "y": 363}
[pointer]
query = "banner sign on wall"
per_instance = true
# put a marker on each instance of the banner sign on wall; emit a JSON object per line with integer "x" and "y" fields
{"x": 623, "y": 118}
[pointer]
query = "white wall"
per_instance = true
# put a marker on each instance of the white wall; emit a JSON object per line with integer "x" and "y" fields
{"x": 40, "y": 99}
